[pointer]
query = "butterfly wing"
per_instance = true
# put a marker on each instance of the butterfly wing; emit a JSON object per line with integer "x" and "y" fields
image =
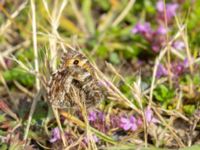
{"x": 79, "y": 76}
{"x": 58, "y": 89}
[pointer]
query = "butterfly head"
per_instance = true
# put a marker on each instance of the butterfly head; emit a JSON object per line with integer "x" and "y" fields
{"x": 75, "y": 59}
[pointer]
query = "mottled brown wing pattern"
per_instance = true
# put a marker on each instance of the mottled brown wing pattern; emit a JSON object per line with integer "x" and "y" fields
{"x": 58, "y": 89}
{"x": 75, "y": 72}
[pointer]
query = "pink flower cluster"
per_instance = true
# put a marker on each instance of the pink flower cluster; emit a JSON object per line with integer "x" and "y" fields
{"x": 157, "y": 38}
{"x": 127, "y": 123}
{"x": 169, "y": 10}
{"x": 130, "y": 123}
{"x": 97, "y": 120}
{"x": 177, "y": 68}
{"x": 55, "y": 135}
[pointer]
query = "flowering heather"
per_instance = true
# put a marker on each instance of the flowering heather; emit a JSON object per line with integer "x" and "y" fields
{"x": 149, "y": 116}
{"x": 97, "y": 120}
{"x": 114, "y": 121}
{"x": 143, "y": 29}
{"x": 94, "y": 137}
{"x": 178, "y": 68}
{"x": 92, "y": 116}
{"x": 161, "y": 71}
{"x": 156, "y": 38}
{"x": 129, "y": 123}
{"x": 171, "y": 9}
{"x": 141, "y": 56}
{"x": 178, "y": 45}
{"x": 55, "y": 135}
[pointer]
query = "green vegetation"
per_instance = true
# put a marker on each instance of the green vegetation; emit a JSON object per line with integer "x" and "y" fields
{"x": 147, "y": 53}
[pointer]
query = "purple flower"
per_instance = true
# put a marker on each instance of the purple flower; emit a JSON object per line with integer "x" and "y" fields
{"x": 92, "y": 116}
{"x": 96, "y": 116}
{"x": 97, "y": 120}
{"x": 8, "y": 63}
{"x": 149, "y": 116}
{"x": 142, "y": 28}
{"x": 55, "y": 135}
{"x": 186, "y": 63}
{"x": 170, "y": 10}
{"x": 161, "y": 30}
{"x": 179, "y": 45}
{"x": 155, "y": 47}
{"x": 155, "y": 38}
{"x": 128, "y": 123}
{"x": 114, "y": 121}
{"x": 160, "y": 6}
{"x": 94, "y": 137}
{"x": 101, "y": 116}
{"x": 162, "y": 71}
{"x": 179, "y": 68}
{"x": 139, "y": 122}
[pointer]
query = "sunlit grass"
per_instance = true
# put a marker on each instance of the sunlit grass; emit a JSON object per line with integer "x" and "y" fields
{"x": 151, "y": 83}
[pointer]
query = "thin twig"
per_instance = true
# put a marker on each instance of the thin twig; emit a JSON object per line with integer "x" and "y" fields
{"x": 185, "y": 39}
{"x": 37, "y": 97}
{"x": 79, "y": 17}
{"x": 55, "y": 111}
{"x": 23, "y": 89}
{"x": 11, "y": 17}
{"x": 36, "y": 68}
{"x": 170, "y": 128}
{"x": 10, "y": 50}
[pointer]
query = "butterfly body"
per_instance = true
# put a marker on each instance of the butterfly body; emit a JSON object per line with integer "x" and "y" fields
{"x": 75, "y": 73}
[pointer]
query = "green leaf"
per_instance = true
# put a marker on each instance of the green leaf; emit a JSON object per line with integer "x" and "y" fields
{"x": 41, "y": 111}
{"x": 19, "y": 75}
{"x": 194, "y": 147}
{"x": 2, "y": 117}
{"x": 114, "y": 58}
{"x": 196, "y": 79}
{"x": 102, "y": 51}
{"x": 163, "y": 94}
{"x": 25, "y": 55}
{"x": 3, "y": 146}
{"x": 86, "y": 7}
{"x": 189, "y": 109}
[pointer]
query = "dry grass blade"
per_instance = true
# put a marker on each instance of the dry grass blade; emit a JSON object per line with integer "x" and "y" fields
{"x": 6, "y": 25}
{"x": 124, "y": 13}
{"x": 114, "y": 91}
{"x": 82, "y": 125}
{"x": 23, "y": 89}
{"x": 36, "y": 61}
{"x": 147, "y": 95}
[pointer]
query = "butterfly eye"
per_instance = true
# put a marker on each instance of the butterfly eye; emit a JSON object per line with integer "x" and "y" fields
{"x": 75, "y": 62}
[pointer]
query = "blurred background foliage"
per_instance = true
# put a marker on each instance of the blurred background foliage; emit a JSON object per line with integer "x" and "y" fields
{"x": 100, "y": 29}
{"x": 104, "y": 30}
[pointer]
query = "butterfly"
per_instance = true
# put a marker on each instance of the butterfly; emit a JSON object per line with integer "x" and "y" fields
{"x": 75, "y": 74}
